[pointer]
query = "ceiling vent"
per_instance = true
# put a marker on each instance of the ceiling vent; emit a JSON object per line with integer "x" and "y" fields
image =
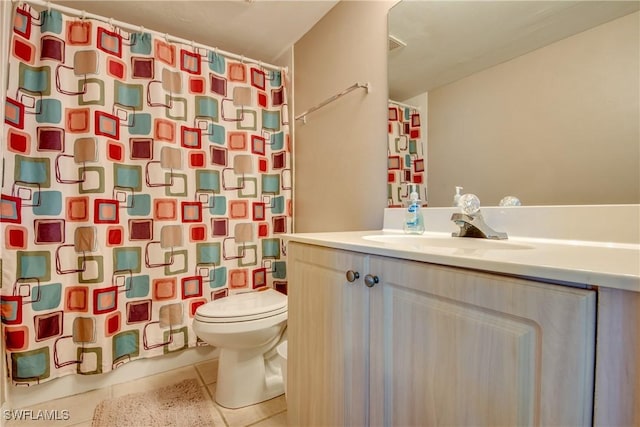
{"x": 395, "y": 43}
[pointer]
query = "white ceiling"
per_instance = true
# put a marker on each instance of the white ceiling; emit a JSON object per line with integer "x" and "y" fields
{"x": 449, "y": 40}
{"x": 446, "y": 40}
{"x": 258, "y": 29}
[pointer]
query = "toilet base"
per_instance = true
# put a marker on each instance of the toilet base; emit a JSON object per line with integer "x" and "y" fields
{"x": 247, "y": 377}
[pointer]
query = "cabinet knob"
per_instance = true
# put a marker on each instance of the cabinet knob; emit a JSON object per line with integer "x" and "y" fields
{"x": 352, "y": 276}
{"x": 370, "y": 280}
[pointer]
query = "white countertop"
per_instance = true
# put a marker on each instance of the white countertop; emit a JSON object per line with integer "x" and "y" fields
{"x": 612, "y": 265}
{"x": 589, "y": 263}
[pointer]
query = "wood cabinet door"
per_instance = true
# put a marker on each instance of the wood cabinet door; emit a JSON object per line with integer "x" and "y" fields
{"x": 453, "y": 347}
{"x": 328, "y": 339}
{"x": 617, "y": 396}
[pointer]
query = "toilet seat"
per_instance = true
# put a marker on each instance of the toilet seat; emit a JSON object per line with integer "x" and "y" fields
{"x": 243, "y": 307}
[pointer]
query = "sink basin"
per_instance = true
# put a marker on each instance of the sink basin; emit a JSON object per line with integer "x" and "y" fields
{"x": 421, "y": 242}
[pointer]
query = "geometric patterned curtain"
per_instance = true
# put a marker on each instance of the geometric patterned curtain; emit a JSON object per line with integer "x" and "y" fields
{"x": 141, "y": 179}
{"x": 406, "y": 156}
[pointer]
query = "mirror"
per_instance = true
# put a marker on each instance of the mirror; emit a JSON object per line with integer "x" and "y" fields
{"x": 534, "y": 99}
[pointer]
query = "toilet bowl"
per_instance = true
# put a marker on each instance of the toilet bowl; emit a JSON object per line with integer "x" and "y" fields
{"x": 246, "y": 328}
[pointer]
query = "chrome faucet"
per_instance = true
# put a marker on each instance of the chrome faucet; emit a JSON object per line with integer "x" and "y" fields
{"x": 474, "y": 226}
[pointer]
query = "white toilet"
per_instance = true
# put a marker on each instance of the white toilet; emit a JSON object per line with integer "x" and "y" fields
{"x": 246, "y": 327}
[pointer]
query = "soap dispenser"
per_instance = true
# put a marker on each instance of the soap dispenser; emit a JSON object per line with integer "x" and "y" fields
{"x": 414, "y": 221}
{"x": 456, "y": 197}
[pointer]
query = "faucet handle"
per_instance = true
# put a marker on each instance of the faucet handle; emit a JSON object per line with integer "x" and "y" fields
{"x": 470, "y": 204}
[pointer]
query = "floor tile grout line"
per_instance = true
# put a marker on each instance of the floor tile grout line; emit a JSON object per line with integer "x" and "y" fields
{"x": 204, "y": 380}
{"x": 265, "y": 419}
{"x": 204, "y": 383}
{"x": 215, "y": 407}
{"x": 224, "y": 419}
{"x": 214, "y": 404}
{"x": 212, "y": 395}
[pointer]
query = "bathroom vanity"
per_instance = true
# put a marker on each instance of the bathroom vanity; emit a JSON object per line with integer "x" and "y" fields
{"x": 388, "y": 329}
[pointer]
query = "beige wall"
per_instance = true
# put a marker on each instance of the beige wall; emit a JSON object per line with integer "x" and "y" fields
{"x": 559, "y": 125}
{"x": 340, "y": 155}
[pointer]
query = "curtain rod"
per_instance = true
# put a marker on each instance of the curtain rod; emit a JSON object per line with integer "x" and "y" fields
{"x": 133, "y": 28}
{"x": 404, "y": 105}
{"x": 303, "y": 116}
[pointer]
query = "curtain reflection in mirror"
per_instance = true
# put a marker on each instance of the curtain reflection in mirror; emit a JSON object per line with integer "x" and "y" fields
{"x": 406, "y": 150}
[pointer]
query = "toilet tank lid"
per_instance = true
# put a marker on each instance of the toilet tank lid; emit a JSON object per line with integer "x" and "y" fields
{"x": 244, "y": 304}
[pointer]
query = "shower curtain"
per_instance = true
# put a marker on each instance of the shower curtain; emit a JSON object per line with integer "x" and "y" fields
{"x": 141, "y": 179}
{"x": 406, "y": 155}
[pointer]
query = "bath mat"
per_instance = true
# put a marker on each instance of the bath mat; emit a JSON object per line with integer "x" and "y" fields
{"x": 181, "y": 404}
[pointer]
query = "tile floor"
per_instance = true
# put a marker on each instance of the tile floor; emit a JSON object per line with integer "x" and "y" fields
{"x": 272, "y": 413}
